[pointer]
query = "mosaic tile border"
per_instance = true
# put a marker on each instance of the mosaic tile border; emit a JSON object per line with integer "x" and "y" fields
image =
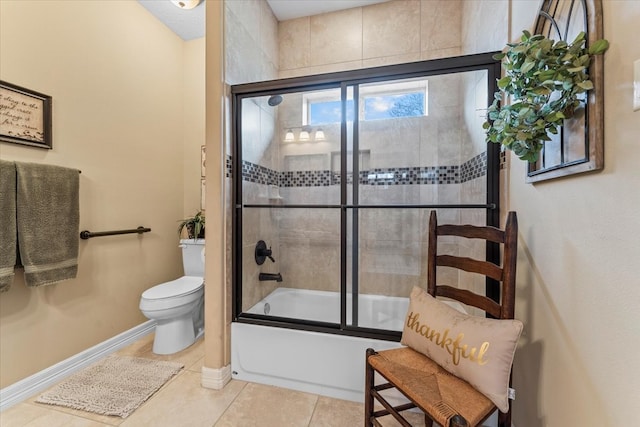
{"x": 473, "y": 168}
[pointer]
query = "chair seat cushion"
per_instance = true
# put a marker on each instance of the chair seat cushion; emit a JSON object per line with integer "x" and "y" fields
{"x": 438, "y": 393}
{"x": 476, "y": 349}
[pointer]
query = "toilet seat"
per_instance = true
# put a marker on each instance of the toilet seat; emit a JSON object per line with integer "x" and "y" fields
{"x": 172, "y": 294}
{"x": 183, "y": 286}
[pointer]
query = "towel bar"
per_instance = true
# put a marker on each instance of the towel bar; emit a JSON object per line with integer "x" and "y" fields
{"x": 86, "y": 234}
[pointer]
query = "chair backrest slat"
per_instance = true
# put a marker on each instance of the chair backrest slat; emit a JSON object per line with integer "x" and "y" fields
{"x": 472, "y": 232}
{"x": 469, "y": 298}
{"x": 471, "y": 265}
{"x": 505, "y": 272}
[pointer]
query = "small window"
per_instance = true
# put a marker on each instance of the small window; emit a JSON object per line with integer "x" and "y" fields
{"x": 377, "y": 102}
{"x": 410, "y": 104}
{"x": 322, "y": 112}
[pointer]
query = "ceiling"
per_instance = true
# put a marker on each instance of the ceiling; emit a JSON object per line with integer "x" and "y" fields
{"x": 189, "y": 24}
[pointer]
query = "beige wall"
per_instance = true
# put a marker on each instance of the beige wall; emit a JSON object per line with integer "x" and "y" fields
{"x": 578, "y": 285}
{"x": 193, "y": 119}
{"x": 116, "y": 77}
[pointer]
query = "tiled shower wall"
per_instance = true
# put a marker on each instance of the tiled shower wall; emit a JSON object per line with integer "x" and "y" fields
{"x": 418, "y": 149}
{"x": 387, "y": 33}
{"x": 251, "y": 54}
{"x": 419, "y": 152}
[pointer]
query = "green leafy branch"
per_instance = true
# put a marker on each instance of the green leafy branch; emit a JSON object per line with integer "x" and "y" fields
{"x": 547, "y": 81}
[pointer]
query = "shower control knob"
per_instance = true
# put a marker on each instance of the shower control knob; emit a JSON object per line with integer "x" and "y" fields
{"x": 262, "y": 253}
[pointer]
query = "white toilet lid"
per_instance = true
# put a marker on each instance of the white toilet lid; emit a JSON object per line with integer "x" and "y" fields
{"x": 182, "y": 286}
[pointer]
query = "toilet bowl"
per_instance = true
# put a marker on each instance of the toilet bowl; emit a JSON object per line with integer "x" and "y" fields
{"x": 178, "y": 306}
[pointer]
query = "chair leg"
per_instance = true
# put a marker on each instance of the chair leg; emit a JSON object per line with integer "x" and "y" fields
{"x": 428, "y": 422}
{"x": 504, "y": 418}
{"x": 458, "y": 421}
{"x": 368, "y": 385}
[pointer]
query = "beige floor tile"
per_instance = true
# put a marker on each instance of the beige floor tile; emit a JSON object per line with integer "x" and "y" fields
{"x": 101, "y": 419}
{"x": 337, "y": 413}
{"x": 138, "y": 348}
{"x": 185, "y": 403}
{"x": 197, "y": 366}
{"x": 414, "y": 418}
{"x": 266, "y": 406}
{"x": 28, "y": 415}
{"x": 143, "y": 348}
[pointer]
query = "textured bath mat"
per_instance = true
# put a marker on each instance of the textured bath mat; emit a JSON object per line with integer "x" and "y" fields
{"x": 117, "y": 385}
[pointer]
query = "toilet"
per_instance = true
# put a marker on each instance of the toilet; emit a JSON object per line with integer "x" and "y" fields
{"x": 178, "y": 306}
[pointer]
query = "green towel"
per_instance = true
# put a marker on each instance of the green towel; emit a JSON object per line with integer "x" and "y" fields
{"x": 48, "y": 219}
{"x": 8, "y": 237}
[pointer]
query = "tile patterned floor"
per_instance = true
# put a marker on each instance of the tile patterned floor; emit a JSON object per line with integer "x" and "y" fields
{"x": 182, "y": 402}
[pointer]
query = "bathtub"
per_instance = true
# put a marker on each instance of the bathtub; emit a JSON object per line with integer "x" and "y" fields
{"x": 326, "y": 364}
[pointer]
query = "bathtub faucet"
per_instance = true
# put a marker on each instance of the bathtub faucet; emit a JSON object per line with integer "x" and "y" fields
{"x": 270, "y": 276}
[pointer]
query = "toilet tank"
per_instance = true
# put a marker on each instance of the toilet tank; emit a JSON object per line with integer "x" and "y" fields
{"x": 193, "y": 257}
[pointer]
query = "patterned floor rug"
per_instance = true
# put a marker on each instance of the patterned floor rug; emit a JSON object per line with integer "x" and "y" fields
{"x": 116, "y": 385}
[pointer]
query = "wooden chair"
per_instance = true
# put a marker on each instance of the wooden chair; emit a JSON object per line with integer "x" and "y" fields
{"x": 424, "y": 383}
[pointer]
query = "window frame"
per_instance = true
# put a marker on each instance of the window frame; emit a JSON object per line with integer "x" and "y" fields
{"x": 368, "y": 91}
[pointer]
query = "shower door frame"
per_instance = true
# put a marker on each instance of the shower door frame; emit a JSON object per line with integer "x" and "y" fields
{"x": 342, "y": 80}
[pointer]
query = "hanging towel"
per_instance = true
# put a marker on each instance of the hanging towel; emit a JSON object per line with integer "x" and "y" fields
{"x": 8, "y": 237}
{"x": 48, "y": 219}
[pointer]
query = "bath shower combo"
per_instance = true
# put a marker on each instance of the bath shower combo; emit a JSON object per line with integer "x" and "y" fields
{"x": 347, "y": 234}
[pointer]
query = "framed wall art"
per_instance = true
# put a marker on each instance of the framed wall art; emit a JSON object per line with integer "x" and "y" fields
{"x": 25, "y": 116}
{"x": 202, "y": 193}
{"x": 579, "y": 146}
{"x": 203, "y": 160}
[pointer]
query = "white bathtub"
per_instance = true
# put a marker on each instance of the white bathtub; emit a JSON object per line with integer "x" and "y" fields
{"x": 326, "y": 364}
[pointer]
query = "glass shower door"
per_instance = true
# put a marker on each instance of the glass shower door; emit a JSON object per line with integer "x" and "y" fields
{"x": 422, "y": 147}
{"x": 334, "y": 179}
{"x": 290, "y": 200}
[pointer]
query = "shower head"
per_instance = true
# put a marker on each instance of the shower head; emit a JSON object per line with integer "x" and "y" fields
{"x": 274, "y": 100}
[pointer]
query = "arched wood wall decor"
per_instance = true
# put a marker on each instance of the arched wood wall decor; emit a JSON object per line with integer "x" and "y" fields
{"x": 579, "y": 146}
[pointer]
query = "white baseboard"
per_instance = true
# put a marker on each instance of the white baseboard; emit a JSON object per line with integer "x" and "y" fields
{"x": 24, "y": 389}
{"x": 216, "y": 378}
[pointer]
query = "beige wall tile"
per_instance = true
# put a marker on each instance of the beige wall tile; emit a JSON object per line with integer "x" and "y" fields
{"x": 251, "y": 45}
{"x": 384, "y": 36}
{"x": 336, "y": 37}
{"x": 269, "y": 34}
{"x": 294, "y": 36}
{"x": 440, "y": 24}
{"x": 390, "y": 60}
{"x": 483, "y": 26}
{"x": 242, "y": 54}
{"x": 320, "y": 69}
{"x": 393, "y": 143}
{"x": 440, "y": 53}
{"x": 249, "y": 13}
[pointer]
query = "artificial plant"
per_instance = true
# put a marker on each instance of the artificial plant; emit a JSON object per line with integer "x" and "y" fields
{"x": 194, "y": 225}
{"x": 547, "y": 82}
